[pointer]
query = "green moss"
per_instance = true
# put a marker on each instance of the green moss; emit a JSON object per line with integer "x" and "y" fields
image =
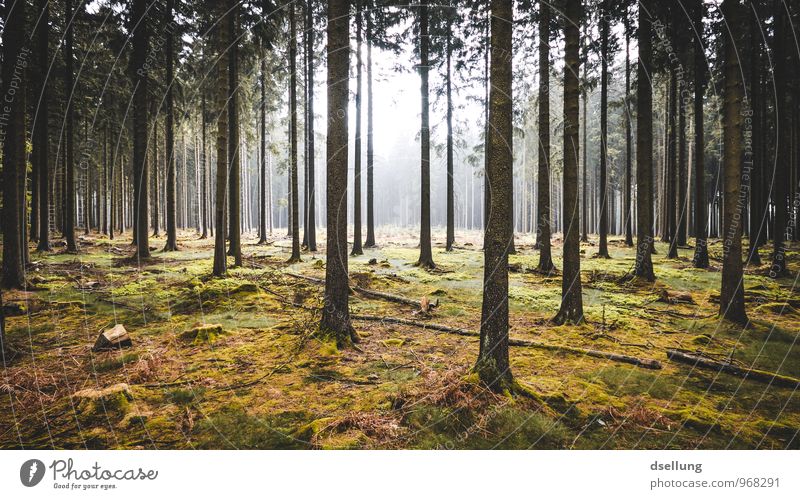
{"x": 203, "y": 334}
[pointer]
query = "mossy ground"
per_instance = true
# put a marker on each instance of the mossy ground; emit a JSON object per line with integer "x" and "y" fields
{"x": 263, "y": 380}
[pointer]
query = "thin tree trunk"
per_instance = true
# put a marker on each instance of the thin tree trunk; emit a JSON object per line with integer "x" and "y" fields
{"x": 450, "y": 238}
{"x": 262, "y": 202}
{"x": 782, "y": 138}
{"x": 41, "y": 145}
{"x": 69, "y": 89}
{"x": 357, "y": 250}
{"x": 700, "y": 259}
{"x": 757, "y": 213}
{"x": 140, "y": 110}
{"x": 425, "y": 252}
{"x": 204, "y": 166}
{"x": 169, "y": 148}
{"x": 370, "y": 242}
{"x": 295, "y": 205}
{"x": 628, "y": 215}
{"x": 234, "y": 167}
{"x": 544, "y": 218}
{"x": 223, "y": 36}
{"x": 602, "y": 250}
{"x": 311, "y": 216}
{"x": 644, "y": 147}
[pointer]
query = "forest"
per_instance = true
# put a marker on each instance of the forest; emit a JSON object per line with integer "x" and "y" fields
{"x": 372, "y": 224}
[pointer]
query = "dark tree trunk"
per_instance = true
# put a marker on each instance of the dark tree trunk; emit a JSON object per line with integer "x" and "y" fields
{"x": 451, "y": 230}
{"x": 223, "y": 36}
{"x": 628, "y": 215}
{"x": 543, "y": 224}
{"x": 683, "y": 167}
{"x": 335, "y": 313}
{"x": 262, "y": 201}
{"x": 757, "y": 213}
{"x": 571, "y": 297}
{"x": 602, "y": 250}
{"x": 644, "y": 147}
{"x": 584, "y": 219}
{"x": 155, "y": 216}
{"x": 493, "y": 365}
{"x": 41, "y": 145}
{"x": 140, "y": 110}
{"x": 671, "y": 170}
{"x": 234, "y": 167}
{"x": 204, "y": 166}
{"x": 782, "y": 137}
{"x": 169, "y": 148}
{"x": 700, "y": 259}
{"x": 295, "y": 205}
{"x": 425, "y": 252}
{"x": 14, "y": 156}
{"x": 370, "y": 242}
{"x": 357, "y": 250}
{"x": 311, "y": 216}
{"x": 732, "y": 292}
{"x": 69, "y": 177}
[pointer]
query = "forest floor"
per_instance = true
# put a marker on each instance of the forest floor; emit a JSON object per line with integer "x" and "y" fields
{"x": 234, "y": 362}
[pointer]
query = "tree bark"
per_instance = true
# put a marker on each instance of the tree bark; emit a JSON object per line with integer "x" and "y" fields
{"x": 602, "y": 250}
{"x": 757, "y": 212}
{"x": 492, "y": 365}
{"x": 782, "y": 146}
{"x": 335, "y": 314}
{"x": 425, "y": 252}
{"x": 311, "y": 216}
{"x": 141, "y": 37}
{"x": 544, "y": 217}
{"x": 357, "y": 250}
{"x": 234, "y": 166}
{"x": 370, "y": 242}
{"x": 41, "y": 145}
{"x": 571, "y": 297}
{"x": 628, "y": 216}
{"x": 700, "y": 259}
{"x": 732, "y": 292}
{"x": 262, "y": 105}
{"x": 69, "y": 89}
{"x": 450, "y": 236}
{"x": 644, "y": 147}
{"x": 295, "y": 205}
{"x": 222, "y": 39}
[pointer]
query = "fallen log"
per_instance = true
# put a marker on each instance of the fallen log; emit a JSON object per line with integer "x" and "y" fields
{"x": 628, "y": 359}
{"x": 376, "y": 294}
{"x": 726, "y": 367}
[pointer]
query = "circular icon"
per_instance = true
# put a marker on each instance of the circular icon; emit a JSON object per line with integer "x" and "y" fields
{"x": 31, "y": 472}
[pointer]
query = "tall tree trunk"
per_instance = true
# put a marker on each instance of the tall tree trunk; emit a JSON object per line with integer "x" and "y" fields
{"x": 223, "y": 36}
{"x": 493, "y": 365}
{"x": 782, "y": 138}
{"x": 425, "y": 252}
{"x": 370, "y": 242}
{"x": 450, "y": 238}
{"x": 357, "y": 250}
{"x": 69, "y": 89}
{"x": 13, "y": 70}
{"x": 543, "y": 223}
{"x": 311, "y": 216}
{"x": 732, "y": 292}
{"x": 644, "y": 147}
{"x": 700, "y": 259}
{"x": 628, "y": 215}
{"x": 169, "y": 134}
{"x": 335, "y": 313}
{"x": 234, "y": 166}
{"x": 571, "y": 297}
{"x": 602, "y": 250}
{"x": 41, "y": 145}
{"x": 204, "y": 165}
{"x": 140, "y": 98}
{"x": 262, "y": 105}
{"x": 672, "y": 168}
{"x": 584, "y": 219}
{"x": 155, "y": 216}
{"x": 295, "y": 205}
{"x": 757, "y": 213}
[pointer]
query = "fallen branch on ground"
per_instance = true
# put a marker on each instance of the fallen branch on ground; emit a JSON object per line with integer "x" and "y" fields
{"x": 727, "y": 367}
{"x": 646, "y": 363}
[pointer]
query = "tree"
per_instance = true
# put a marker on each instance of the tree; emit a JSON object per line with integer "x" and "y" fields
{"x": 571, "y": 310}
{"x": 425, "y": 252}
{"x": 493, "y": 365}
{"x": 700, "y": 259}
{"x": 222, "y": 36}
{"x": 602, "y": 251}
{"x": 732, "y": 292}
{"x": 783, "y": 142}
{"x": 644, "y": 146}
{"x": 628, "y": 215}
{"x": 41, "y": 138}
{"x": 357, "y": 250}
{"x": 234, "y": 165}
{"x": 295, "y": 205}
{"x": 13, "y": 70}
{"x": 543, "y": 201}
{"x": 262, "y": 157}
{"x": 69, "y": 147}
{"x": 311, "y": 217}
{"x": 335, "y": 314}
{"x": 757, "y": 211}
{"x": 451, "y": 231}
{"x": 169, "y": 135}
{"x": 370, "y": 242}
{"x": 141, "y": 37}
